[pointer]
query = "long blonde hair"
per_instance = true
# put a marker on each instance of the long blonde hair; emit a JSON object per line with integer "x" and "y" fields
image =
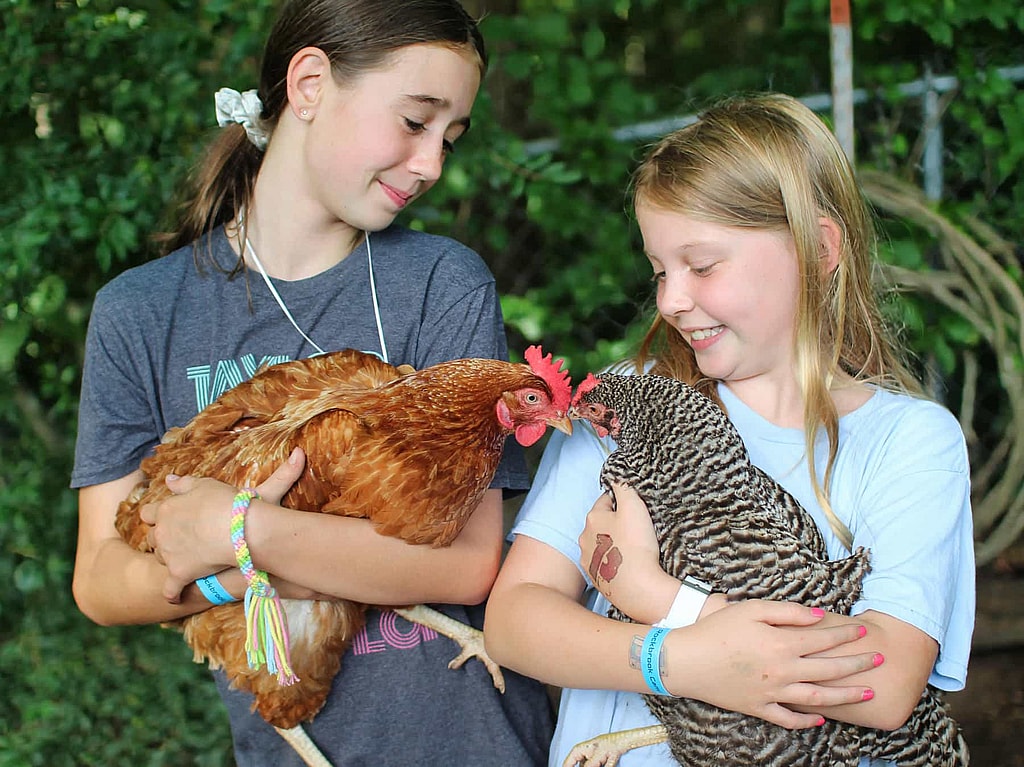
{"x": 768, "y": 162}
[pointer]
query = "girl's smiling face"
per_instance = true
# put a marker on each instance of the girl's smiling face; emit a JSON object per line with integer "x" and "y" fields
{"x": 380, "y": 141}
{"x": 732, "y": 293}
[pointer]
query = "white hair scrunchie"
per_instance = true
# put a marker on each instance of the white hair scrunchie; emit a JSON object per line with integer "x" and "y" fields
{"x": 244, "y": 109}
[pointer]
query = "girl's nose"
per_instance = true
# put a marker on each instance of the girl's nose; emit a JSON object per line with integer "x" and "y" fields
{"x": 428, "y": 161}
{"x": 674, "y": 297}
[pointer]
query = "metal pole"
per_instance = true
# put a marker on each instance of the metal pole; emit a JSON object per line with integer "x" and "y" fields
{"x": 932, "y": 160}
{"x": 842, "y": 76}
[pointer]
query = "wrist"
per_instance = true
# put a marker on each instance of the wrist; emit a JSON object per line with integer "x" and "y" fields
{"x": 680, "y": 664}
{"x": 647, "y": 654}
{"x": 687, "y": 605}
{"x": 713, "y": 604}
{"x": 214, "y": 590}
{"x": 255, "y": 532}
{"x": 659, "y": 591}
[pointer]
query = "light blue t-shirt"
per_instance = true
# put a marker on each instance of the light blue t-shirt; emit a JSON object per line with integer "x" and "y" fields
{"x": 901, "y": 483}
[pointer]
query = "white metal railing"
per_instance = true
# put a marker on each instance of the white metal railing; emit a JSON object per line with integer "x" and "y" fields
{"x": 927, "y": 88}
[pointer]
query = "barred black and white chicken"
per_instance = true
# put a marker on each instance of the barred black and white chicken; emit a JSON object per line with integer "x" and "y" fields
{"x": 722, "y": 520}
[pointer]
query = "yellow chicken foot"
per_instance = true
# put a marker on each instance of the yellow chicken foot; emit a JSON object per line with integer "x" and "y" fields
{"x": 471, "y": 640}
{"x": 605, "y": 750}
{"x": 300, "y": 741}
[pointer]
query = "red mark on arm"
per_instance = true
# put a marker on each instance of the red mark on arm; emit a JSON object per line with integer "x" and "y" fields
{"x": 606, "y": 559}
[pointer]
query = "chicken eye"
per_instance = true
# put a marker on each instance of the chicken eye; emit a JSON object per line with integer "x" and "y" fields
{"x": 531, "y": 398}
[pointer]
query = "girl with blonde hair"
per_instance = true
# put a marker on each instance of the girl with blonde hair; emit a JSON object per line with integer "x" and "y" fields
{"x": 762, "y": 250}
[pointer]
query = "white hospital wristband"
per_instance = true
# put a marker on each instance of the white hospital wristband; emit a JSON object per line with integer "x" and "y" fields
{"x": 687, "y": 605}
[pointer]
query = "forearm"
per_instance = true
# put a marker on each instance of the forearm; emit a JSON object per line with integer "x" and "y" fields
{"x": 347, "y": 558}
{"x": 117, "y": 585}
{"x": 114, "y": 583}
{"x": 897, "y": 683}
{"x": 562, "y": 642}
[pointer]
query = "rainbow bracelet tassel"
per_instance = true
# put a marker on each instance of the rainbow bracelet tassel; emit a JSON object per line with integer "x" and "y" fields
{"x": 266, "y": 628}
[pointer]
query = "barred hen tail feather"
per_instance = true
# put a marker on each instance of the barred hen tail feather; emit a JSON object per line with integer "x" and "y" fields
{"x": 945, "y": 746}
{"x": 833, "y": 585}
{"x": 705, "y": 735}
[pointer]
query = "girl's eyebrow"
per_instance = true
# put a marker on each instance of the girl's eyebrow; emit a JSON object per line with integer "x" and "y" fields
{"x": 438, "y": 103}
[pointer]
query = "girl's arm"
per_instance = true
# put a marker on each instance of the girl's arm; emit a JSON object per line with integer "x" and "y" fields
{"x": 897, "y": 683}
{"x": 116, "y": 584}
{"x": 755, "y": 657}
{"x": 339, "y": 556}
{"x": 639, "y": 588}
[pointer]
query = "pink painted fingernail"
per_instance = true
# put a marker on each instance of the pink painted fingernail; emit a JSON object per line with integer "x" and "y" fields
{"x": 868, "y": 694}
{"x": 820, "y": 722}
{"x": 817, "y": 612}
{"x": 862, "y": 631}
{"x": 878, "y": 660}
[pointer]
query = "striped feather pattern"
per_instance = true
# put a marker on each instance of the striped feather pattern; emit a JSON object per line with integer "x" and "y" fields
{"x": 722, "y": 520}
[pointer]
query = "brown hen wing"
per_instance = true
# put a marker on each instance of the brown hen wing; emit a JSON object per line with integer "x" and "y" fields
{"x": 204, "y": 447}
{"x": 413, "y": 487}
{"x": 270, "y": 391}
{"x": 240, "y": 439}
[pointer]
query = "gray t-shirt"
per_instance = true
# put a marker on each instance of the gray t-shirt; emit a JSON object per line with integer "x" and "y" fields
{"x": 165, "y": 339}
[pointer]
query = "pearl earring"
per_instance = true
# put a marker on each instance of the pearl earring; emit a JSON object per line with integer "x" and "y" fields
{"x": 305, "y": 113}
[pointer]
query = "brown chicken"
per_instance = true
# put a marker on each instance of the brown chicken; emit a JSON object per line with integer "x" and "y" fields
{"x": 412, "y": 451}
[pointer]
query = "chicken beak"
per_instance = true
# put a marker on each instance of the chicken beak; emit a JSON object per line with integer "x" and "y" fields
{"x": 563, "y": 424}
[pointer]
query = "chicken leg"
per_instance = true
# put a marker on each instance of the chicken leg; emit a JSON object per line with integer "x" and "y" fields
{"x": 471, "y": 640}
{"x": 302, "y": 744}
{"x": 468, "y": 638}
{"x": 605, "y": 750}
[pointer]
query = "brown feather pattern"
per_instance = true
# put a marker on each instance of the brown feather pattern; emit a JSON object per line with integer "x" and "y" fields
{"x": 412, "y": 451}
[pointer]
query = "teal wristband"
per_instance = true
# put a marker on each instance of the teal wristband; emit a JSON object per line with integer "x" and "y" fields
{"x": 214, "y": 592}
{"x": 650, "y": 660}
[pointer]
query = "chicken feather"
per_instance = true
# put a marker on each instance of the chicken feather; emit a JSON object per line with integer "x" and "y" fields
{"x": 724, "y": 521}
{"x": 412, "y": 451}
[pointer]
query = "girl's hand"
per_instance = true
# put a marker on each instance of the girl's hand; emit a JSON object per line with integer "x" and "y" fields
{"x": 234, "y": 582}
{"x": 760, "y": 657}
{"x": 619, "y": 551}
{"x": 191, "y": 529}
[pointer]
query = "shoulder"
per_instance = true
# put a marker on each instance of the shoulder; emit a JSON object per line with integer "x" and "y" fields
{"x": 430, "y": 254}
{"x": 145, "y": 283}
{"x": 566, "y": 484}
{"x": 912, "y": 430}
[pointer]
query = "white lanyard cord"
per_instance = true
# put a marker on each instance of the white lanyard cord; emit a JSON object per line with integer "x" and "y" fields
{"x": 280, "y": 301}
{"x": 373, "y": 296}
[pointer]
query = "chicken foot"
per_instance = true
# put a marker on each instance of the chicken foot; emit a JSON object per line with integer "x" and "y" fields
{"x": 468, "y": 638}
{"x": 605, "y": 750}
{"x": 302, "y": 744}
{"x": 471, "y": 640}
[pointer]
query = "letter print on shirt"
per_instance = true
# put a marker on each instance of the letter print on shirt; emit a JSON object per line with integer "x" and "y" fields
{"x": 387, "y": 634}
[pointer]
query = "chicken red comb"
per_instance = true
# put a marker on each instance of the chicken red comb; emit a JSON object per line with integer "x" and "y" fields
{"x": 557, "y": 379}
{"x": 588, "y": 383}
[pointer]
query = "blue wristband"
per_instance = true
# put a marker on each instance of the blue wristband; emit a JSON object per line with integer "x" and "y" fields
{"x": 212, "y": 589}
{"x": 650, "y": 660}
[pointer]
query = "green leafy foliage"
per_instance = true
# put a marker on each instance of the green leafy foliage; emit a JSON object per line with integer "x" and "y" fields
{"x": 99, "y": 120}
{"x": 106, "y": 103}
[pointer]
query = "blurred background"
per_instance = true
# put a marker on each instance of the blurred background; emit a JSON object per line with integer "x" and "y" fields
{"x": 103, "y": 108}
